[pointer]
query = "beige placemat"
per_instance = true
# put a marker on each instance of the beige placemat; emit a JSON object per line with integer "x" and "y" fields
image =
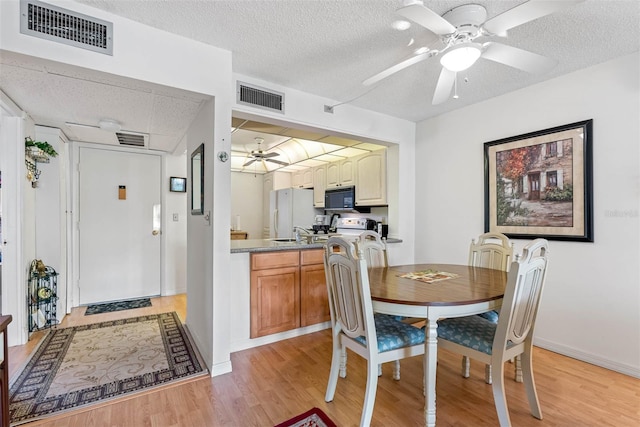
{"x": 429, "y": 276}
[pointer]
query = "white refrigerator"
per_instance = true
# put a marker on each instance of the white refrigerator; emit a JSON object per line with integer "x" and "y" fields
{"x": 290, "y": 207}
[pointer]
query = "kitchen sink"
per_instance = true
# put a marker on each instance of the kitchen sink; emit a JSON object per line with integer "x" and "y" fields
{"x": 283, "y": 239}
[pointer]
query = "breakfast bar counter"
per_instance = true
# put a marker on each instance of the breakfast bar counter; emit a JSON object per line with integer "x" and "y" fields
{"x": 268, "y": 245}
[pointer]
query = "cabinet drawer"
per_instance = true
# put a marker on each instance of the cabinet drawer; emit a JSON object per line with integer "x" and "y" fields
{"x": 260, "y": 261}
{"x": 312, "y": 256}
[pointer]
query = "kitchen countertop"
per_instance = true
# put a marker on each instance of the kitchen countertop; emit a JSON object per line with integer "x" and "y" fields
{"x": 266, "y": 245}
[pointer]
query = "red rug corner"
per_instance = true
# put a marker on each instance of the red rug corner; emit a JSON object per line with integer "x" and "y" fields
{"x": 313, "y": 411}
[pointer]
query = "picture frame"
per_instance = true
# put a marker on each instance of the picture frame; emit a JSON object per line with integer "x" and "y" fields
{"x": 178, "y": 184}
{"x": 540, "y": 184}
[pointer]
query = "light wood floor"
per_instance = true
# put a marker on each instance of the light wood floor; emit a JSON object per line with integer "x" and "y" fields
{"x": 272, "y": 383}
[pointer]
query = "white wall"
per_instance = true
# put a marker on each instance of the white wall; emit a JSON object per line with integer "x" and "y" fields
{"x": 246, "y": 201}
{"x": 175, "y": 232}
{"x": 50, "y": 212}
{"x": 591, "y": 304}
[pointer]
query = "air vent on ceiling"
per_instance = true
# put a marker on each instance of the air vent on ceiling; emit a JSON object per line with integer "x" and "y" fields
{"x": 259, "y": 97}
{"x": 132, "y": 139}
{"x": 65, "y": 26}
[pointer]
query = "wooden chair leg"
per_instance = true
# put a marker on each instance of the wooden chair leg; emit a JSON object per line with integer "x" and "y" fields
{"x": 370, "y": 394}
{"x": 518, "y": 366}
{"x": 530, "y": 384}
{"x": 343, "y": 363}
{"x": 499, "y": 397}
{"x": 336, "y": 367}
{"x": 487, "y": 374}
{"x": 466, "y": 363}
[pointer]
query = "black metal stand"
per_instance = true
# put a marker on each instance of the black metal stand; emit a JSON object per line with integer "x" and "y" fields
{"x": 42, "y": 299}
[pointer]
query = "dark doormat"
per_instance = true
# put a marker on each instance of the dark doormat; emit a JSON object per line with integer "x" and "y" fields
{"x": 117, "y": 306}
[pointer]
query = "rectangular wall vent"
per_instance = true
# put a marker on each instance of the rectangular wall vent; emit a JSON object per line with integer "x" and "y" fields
{"x": 132, "y": 139}
{"x": 259, "y": 97}
{"x": 64, "y": 26}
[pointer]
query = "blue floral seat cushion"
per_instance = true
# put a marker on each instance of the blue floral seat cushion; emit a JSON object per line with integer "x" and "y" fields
{"x": 474, "y": 332}
{"x": 491, "y": 316}
{"x": 393, "y": 334}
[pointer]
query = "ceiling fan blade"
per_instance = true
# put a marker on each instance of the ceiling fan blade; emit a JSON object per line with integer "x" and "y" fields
{"x": 278, "y": 162}
{"x": 443, "y": 88}
{"x": 517, "y": 58}
{"x": 395, "y": 68}
{"x": 267, "y": 155}
{"x": 249, "y": 162}
{"x": 427, "y": 18}
{"x": 533, "y": 9}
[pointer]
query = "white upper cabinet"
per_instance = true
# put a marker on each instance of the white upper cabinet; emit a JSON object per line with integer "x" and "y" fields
{"x": 341, "y": 174}
{"x": 371, "y": 178}
{"x": 302, "y": 178}
{"x": 319, "y": 184}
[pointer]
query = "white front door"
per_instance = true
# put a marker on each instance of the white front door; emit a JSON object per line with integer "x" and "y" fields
{"x": 119, "y": 212}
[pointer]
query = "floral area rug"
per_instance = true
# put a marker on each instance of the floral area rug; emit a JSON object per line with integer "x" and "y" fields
{"x": 429, "y": 276}
{"x": 312, "y": 418}
{"x": 117, "y": 306}
{"x": 83, "y": 365}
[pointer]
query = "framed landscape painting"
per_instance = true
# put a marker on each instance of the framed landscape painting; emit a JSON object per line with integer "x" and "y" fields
{"x": 540, "y": 184}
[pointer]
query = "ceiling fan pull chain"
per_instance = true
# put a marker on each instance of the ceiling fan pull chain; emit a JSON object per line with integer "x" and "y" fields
{"x": 455, "y": 87}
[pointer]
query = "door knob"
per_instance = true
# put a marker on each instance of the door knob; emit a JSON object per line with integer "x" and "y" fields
{"x": 155, "y": 232}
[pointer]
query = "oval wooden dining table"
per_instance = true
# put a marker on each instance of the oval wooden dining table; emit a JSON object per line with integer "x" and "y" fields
{"x": 463, "y": 291}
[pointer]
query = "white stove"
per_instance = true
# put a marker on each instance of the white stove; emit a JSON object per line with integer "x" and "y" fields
{"x": 350, "y": 228}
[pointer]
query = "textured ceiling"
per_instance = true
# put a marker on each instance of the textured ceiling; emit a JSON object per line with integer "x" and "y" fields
{"x": 325, "y": 48}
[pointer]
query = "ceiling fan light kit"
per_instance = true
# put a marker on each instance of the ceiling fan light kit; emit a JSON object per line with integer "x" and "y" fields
{"x": 461, "y": 57}
{"x": 458, "y": 29}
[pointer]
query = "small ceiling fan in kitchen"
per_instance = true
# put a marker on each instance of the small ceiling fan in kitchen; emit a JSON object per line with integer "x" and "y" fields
{"x": 459, "y": 45}
{"x": 259, "y": 154}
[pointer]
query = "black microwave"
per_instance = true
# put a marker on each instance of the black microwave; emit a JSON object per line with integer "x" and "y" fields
{"x": 343, "y": 198}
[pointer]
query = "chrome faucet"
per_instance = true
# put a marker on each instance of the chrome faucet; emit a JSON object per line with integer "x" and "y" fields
{"x": 297, "y": 229}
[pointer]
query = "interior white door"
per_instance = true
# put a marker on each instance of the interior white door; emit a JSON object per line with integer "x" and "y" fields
{"x": 119, "y": 236}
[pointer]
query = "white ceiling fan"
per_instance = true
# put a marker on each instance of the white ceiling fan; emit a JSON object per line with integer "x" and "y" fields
{"x": 458, "y": 30}
{"x": 259, "y": 154}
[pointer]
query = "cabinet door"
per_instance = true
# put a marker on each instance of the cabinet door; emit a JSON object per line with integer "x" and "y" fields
{"x": 319, "y": 184}
{"x": 333, "y": 175}
{"x": 347, "y": 172}
{"x": 297, "y": 179}
{"x": 307, "y": 178}
{"x": 314, "y": 300}
{"x": 275, "y": 301}
{"x": 371, "y": 178}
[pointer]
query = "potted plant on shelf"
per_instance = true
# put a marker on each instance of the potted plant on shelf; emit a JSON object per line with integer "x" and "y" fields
{"x": 39, "y": 150}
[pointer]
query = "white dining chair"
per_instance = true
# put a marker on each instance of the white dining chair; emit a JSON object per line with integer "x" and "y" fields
{"x": 377, "y": 338}
{"x": 512, "y": 335}
{"x": 374, "y": 251}
{"x": 491, "y": 250}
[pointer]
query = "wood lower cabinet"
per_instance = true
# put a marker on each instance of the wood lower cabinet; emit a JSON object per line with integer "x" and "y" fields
{"x": 288, "y": 291}
{"x": 314, "y": 302}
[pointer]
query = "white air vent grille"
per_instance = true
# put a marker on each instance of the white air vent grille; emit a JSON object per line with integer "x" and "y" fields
{"x": 132, "y": 139}
{"x": 64, "y": 26}
{"x": 260, "y": 97}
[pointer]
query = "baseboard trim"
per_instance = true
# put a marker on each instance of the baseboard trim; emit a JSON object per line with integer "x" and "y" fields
{"x": 587, "y": 357}
{"x": 269, "y": 339}
{"x": 221, "y": 368}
